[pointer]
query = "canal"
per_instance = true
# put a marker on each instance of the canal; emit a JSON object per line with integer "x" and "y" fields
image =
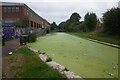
{"x": 86, "y": 58}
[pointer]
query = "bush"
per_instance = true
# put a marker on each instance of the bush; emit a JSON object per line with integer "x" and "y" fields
{"x": 32, "y": 38}
{"x": 3, "y": 41}
{"x": 39, "y": 52}
{"x": 66, "y": 69}
{"x": 43, "y": 52}
{"x": 48, "y": 59}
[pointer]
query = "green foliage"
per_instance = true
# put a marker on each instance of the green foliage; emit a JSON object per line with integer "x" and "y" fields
{"x": 3, "y": 43}
{"x": 18, "y": 24}
{"x": 32, "y": 38}
{"x": 82, "y": 26}
{"x": 75, "y": 17}
{"x": 21, "y": 23}
{"x": 71, "y": 24}
{"x": 25, "y": 22}
{"x": 111, "y": 21}
{"x": 90, "y": 21}
{"x": 43, "y": 52}
{"x": 61, "y": 26}
{"x": 66, "y": 69}
{"x": 54, "y": 26}
{"x": 48, "y": 59}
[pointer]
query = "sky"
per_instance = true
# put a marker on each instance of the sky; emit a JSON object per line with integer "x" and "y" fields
{"x": 60, "y": 10}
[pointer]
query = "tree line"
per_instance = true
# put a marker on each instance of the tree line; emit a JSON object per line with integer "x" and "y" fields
{"x": 110, "y": 19}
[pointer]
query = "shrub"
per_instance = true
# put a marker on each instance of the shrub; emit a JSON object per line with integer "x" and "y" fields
{"x": 39, "y": 52}
{"x": 32, "y": 38}
{"x": 43, "y": 52}
{"x": 3, "y": 41}
{"x": 48, "y": 59}
{"x": 66, "y": 69}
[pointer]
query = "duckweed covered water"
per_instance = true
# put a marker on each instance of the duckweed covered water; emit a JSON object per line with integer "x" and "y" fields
{"x": 86, "y": 58}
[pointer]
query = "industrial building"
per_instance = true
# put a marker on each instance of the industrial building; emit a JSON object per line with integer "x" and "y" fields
{"x": 19, "y": 15}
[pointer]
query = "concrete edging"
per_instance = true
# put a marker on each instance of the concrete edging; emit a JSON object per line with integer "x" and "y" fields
{"x": 105, "y": 43}
{"x": 69, "y": 74}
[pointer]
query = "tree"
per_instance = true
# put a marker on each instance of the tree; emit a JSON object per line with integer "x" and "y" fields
{"x": 90, "y": 20}
{"x": 25, "y": 23}
{"x": 61, "y": 26}
{"x": 18, "y": 24}
{"x": 75, "y": 17}
{"x": 111, "y": 21}
{"x": 72, "y": 24}
{"x": 82, "y": 26}
{"x": 22, "y": 23}
{"x": 54, "y": 26}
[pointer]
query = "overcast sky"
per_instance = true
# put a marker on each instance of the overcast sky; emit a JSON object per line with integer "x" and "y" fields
{"x": 60, "y": 10}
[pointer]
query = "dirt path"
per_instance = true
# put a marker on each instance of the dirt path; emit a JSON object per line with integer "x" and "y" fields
{"x": 10, "y": 46}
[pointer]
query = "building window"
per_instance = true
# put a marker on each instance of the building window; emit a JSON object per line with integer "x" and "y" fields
{"x": 5, "y": 9}
{"x": 8, "y": 9}
{"x": 31, "y": 14}
{"x": 31, "y": 23}
{"x": 17, "y": 9}
{"x": 27, "y": 12}
{"x": 13, "y": 9}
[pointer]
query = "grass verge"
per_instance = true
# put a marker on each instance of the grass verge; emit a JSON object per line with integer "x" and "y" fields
{"x": 98, "y": 36}
{"x": 23, "y": 63}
